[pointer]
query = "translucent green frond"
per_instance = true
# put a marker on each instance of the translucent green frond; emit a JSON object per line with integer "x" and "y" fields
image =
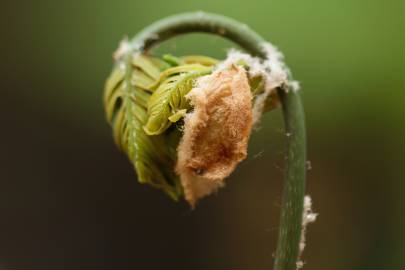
{"x": 172, "y": 60}
{"x": 199, "y": 59}
{"x": 125, "y": 98}
{"x": 150, "y": 66}
{"x": 168, "y": 102}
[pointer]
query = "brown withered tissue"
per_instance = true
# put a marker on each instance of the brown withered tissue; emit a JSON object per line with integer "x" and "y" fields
{"x": 216, "y": 132}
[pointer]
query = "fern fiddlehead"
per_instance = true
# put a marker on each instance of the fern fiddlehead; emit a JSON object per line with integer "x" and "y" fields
{"x": 148, "y": 102}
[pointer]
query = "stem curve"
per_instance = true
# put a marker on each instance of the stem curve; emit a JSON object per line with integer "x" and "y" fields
{"x": 295, "y": 168}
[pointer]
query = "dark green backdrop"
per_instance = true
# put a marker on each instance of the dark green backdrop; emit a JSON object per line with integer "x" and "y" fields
{"x": 70, "y": 200}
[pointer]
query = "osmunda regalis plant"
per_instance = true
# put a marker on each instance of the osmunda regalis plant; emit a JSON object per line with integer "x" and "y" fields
{"x": 185, "y": 121}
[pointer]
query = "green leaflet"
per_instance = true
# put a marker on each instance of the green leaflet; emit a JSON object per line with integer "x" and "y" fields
{"x": 168, "y": 103}
{"x": 125, "y": 98}
{"x": 172, "y": 60}
{"x": 189, "y": 59}
{"x": 199, "y": 59}
{"x": 150, "y": 66}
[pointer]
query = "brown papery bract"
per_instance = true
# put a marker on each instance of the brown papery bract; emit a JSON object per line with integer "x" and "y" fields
{"x": 216, "y": 132}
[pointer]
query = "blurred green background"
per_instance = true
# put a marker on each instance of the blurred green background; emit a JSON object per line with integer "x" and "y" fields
{"x": 70, "y": 200}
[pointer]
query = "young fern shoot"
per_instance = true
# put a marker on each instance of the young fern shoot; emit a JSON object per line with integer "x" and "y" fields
{"x": 185, "y": 121}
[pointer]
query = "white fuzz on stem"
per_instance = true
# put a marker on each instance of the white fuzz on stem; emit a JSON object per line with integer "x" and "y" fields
{"x": 122, "y": 49}
{"x": 272, "y": 70}
{"x": 308, "y": 216}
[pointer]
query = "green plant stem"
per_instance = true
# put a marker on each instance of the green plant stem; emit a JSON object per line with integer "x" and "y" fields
{"x": 295, "y": 168}
{"x": 185, "y": 23}
{"x": 294, "y": 182}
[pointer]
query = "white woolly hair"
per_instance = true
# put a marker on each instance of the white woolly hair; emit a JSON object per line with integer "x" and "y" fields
{"x": 308, "y": 216}
{"x": 272, "y": 69}
{"x": 123, "y": 48}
